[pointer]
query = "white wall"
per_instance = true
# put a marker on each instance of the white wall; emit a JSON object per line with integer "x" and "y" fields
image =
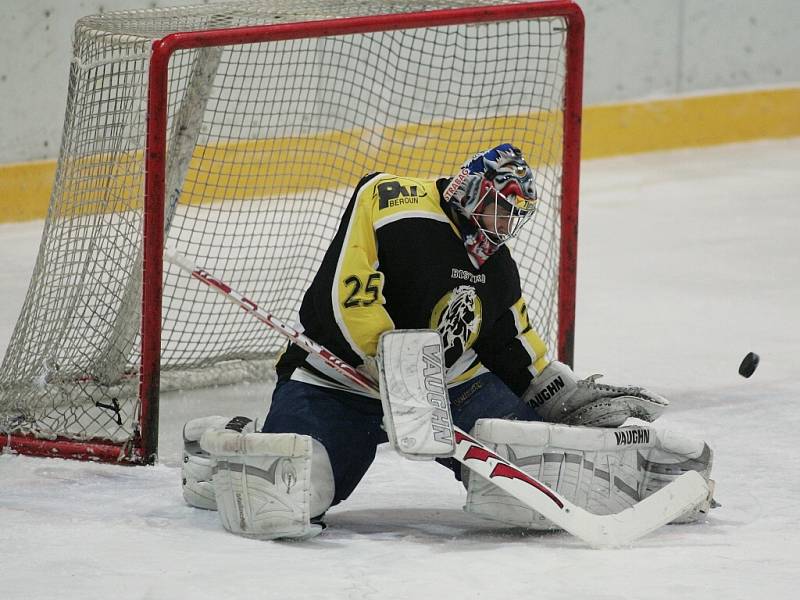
{"x": 35, "y": 52}
{"x": 635, "y": 49}
{"x": 638, "y": 49}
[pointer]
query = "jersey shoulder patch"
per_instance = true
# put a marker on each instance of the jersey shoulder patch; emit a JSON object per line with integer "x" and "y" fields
{"x": 392, "y": 194}
{"x": 399, "y": 197}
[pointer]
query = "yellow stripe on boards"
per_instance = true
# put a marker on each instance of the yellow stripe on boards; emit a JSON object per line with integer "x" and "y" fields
{"x": 25, "y": 190}
{"x": 689, "y": 122}
{"x": 253, "y": 169}
{"x": 261, "y": 168}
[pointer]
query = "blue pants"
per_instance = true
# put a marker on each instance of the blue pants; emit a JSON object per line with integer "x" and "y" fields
{"x": 349, "y": 425}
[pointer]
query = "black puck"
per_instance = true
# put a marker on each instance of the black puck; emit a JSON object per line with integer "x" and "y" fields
{"x": 749, "y": 364}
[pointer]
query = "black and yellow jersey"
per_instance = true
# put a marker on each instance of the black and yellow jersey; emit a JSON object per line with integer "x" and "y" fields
{"x": 399, "y": 262}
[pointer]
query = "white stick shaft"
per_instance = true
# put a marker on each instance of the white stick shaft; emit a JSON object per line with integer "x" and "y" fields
{"x": 270, "y": 320}
{"x": 598, "y": 531}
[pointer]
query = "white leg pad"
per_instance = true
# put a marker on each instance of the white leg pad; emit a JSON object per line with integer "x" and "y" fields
{"x": 197, "y": 465}
{"x": 602, "y": 470}
{"x": 269, "y": 485}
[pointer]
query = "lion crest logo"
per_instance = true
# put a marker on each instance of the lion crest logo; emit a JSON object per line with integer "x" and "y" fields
{"x": 457, "y": 318}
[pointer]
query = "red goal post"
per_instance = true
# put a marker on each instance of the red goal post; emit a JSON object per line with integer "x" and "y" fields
{"x": 137, "y": 441}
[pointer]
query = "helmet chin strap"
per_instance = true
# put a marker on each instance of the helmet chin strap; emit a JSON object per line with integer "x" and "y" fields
{"x": 478, "y": 244}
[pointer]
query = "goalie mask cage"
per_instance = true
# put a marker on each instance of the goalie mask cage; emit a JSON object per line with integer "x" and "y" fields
{"x": 236, "y": 132}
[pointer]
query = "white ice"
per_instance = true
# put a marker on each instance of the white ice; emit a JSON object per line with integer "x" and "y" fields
{"x": 687, "y": 261}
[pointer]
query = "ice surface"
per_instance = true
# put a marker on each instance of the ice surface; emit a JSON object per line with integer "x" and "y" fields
{"x": 687, "y": 261}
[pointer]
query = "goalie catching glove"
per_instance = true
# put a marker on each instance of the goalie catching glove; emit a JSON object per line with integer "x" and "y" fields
{"x": 558, "y": 396}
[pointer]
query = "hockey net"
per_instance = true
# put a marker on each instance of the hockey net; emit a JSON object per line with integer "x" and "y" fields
{"x": 238, "y": 141}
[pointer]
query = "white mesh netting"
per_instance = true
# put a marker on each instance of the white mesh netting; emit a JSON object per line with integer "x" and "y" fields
{"x": 265, "y": 144}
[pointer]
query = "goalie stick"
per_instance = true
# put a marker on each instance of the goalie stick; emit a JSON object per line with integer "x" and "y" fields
{"x": 598, "y": 531}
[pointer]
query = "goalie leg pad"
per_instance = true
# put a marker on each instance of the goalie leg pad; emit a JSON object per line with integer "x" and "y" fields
{"x": 269, "y": 485}
{"x": 197, "y": 465}
{"x": 601, "y": 470}
{"x": 673, "y": 456}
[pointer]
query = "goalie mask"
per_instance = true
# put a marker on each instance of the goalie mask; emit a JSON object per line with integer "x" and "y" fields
{"x": 495, "y": 192}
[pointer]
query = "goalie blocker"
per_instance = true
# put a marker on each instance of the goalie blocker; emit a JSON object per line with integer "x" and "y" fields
{"x": 413, "y": 389}
{"x": 602, "y": 470}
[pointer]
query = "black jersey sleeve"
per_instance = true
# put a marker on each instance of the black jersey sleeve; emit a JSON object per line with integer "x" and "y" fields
{"x": 512, "y": 349}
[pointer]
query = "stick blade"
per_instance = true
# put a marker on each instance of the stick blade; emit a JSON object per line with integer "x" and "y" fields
{"x": 666, "y": 505}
